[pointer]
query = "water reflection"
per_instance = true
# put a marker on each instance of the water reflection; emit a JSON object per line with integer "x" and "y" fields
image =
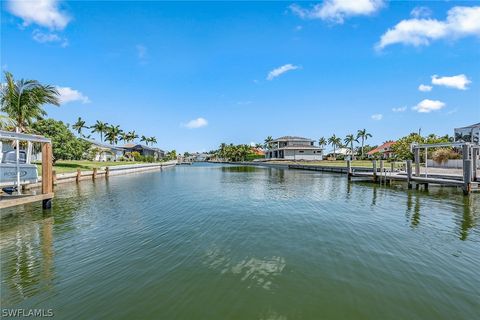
{"x": 27, "y": 259}
{"x": 469, "y": 217}
{"x": 255, "y": 271}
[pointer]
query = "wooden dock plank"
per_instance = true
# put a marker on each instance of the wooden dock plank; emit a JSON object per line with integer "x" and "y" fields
{"x": 5, "y": 202}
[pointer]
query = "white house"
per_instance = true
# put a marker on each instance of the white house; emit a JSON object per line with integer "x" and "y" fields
{"x": 293, "y": 148}
{"x": 346, "y": 152}
{"x": 104, "y": 152}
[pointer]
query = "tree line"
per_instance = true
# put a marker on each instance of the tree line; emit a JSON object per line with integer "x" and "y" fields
{"x": 22, "y": 107}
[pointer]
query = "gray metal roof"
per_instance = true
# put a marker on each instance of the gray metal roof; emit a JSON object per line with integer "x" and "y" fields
{"x": 476, "y": 125}
{"x": 102, "y": 145}
{"x": 7, "y": 135}
{"x": 292, "y": 138}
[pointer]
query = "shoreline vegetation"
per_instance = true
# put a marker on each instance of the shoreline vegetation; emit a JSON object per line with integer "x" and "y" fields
{"x": 22, "y": 110}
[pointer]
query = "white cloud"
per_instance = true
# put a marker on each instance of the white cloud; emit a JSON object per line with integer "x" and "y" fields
{"x": 458, "y": 82}
{"x": 424, "y": 88}
{"x": 281, "y": 70}
{"x": 460, "y": 22}
{"x": 49, "y": 37}
{"x": 45, "y": 13}
{"x": 337, "y": 10}
{"x": 399, "y": 109}
{"x": 244, "y": 103}
{"x": 377, "y": 116}
{"x": 196, "y": 123}
{"x": 421, "y": 12}
{"x": 427, "y": 105}
{"x": 68, "y": 94}
{"x": 141, "y": 51}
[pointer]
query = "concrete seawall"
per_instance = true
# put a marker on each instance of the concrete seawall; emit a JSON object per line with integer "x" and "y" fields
{"x": 103, "y": 173}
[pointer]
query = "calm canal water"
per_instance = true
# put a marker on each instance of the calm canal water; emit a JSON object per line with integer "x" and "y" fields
{"x": 226, "y": 242}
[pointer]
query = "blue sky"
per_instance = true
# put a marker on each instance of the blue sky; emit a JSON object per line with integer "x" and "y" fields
{"x": 195, "y": 74}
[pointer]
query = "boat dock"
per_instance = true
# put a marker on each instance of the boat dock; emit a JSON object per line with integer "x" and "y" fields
{"x": 410, "y": 172}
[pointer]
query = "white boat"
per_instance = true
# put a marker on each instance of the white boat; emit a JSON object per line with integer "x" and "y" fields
{"x": 9, "y": 168}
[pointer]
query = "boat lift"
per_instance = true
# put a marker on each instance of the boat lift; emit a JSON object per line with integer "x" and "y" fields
{"x": 470, "y": 156}
{"x": 16, "y": 170}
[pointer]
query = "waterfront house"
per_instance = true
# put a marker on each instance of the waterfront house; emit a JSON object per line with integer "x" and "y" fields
{"x": 468, "y": 134}
{"x": 293, "y": 148}
{"x": 384, "y": 151}
{"x": 104, "y": 152}
{"x": 143, "y": 150}
{"x": 345, "y": 152}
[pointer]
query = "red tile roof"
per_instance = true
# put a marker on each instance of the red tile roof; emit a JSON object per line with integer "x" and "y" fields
{"x": 383, "y": 148}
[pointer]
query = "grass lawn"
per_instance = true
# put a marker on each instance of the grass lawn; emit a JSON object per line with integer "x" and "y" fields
{"x": 341, "y": 163}
{"x": 64, "y": 166}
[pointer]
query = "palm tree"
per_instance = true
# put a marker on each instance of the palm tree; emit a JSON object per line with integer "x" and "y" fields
{"x": 322, "y": 142}
{"x": 152, "y": 140}
{"x": 123, "y": 136}
{"x": 79, "y": 125}
{"x": 145, "y": 139}
{"x": 113, "y": 133}
{"x": 350, "y": 138}
{"x": 364, "y": 135}
{"x": 22, "y": 100}
{"x": 100, "y": 127}
{"x": 268, "y": 142}
{"x": 335, "y": 142}
{"x": 6, "y": 123}
{"x": 131, "y": 136}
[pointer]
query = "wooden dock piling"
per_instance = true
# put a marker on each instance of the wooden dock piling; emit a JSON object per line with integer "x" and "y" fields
{"x": 349, "y": 169}
{"x": 467, "y": 176}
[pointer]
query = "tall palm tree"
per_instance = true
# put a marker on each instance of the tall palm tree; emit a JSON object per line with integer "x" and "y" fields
{"x": 22, "y": 100}
{"x": 131, "y": 136}
{"x": 322, "y": 142}
{"x": 113, "y": 133}
{"x": 100, "y": 127}
{"x": 349, "y": 140}
{"x": 123, "y": 136}
{"x": 268, "y": 142}
{"x": 144, "y": 139}
{"x": 79, "y": 126}
{"x": 335, "y": 142}
{"x": 152, "y": 140}
{"x": 364, "y": 135}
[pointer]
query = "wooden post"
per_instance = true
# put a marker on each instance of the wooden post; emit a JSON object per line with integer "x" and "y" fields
{"x": 374, "y": 164}
{"x": 416, "y": 154}
{"x": 467, "y": 176}
{"x": 107, "y": 172}
{"x": 475, "y": 152}
{"x": 409, "y": 174}
{"x": 382, "y": 169}
{"x": 54, "y": 178}
{"x": 47, "y": 174}
{"x": 79, "y": 174}
{"x": 349, "y": 169}
{"x": 94, "y": 174}
{"x": 392, "y": 168}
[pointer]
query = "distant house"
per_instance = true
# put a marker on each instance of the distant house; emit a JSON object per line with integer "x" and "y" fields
{"x": 143, "y": 150}
{"x": 258, "y": 151}
{"x": 385, "y": 150}
{"x": 468, "y": 134}
{"x": 293, "y": 148}
{"x": 346, "y": 152}
{"x": 104, "y": 152}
